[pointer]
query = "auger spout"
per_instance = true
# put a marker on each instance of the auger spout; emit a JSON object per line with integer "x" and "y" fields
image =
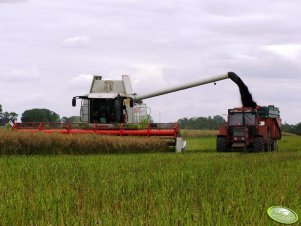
{"x": 138, "y": 98}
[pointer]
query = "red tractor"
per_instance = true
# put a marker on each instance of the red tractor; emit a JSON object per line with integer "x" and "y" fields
{"x": 256, "y": 129}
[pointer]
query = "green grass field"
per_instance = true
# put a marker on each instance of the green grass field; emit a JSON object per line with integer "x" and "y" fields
{"x": 199, "y": 187}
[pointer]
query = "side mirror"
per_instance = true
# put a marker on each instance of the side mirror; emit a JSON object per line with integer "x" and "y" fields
{"x": 131, "y": 103}
{"x": 73, "y": 102}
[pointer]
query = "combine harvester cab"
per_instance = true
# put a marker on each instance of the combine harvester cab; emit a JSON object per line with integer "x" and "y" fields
{"x": 256, "y": 129}
{"x": 112, "y": 108}
{"x": 111, "y": 101}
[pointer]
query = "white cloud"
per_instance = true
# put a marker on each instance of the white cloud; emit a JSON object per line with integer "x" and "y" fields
{"x": 292, "y": 51}
{"x": 77, "y": 42}
{"x": 147, "y": 78}
{"x": 81, "y": 81}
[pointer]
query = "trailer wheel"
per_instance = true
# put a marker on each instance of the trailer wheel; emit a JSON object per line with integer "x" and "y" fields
{"x": 274, "y": 146}
{"x": 268, "y": 145}
{"x": 258, "y": 144}
{"x": 221, "y": 144}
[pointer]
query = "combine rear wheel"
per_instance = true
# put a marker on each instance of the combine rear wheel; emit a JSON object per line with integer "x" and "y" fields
{"x": 221, "y": 144}
{"x": 258, "y": 144}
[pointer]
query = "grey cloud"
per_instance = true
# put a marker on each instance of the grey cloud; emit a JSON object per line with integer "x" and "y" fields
{"x": 12, "y": 1}
{"x": 27, "y": 75}
{"x": 77, "y": 42}
{"x": 172, "y": 42}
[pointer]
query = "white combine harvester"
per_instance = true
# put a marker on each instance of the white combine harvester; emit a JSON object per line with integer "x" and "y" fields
{"x": 113, "y": 101}
{"x": 112, "y": 108}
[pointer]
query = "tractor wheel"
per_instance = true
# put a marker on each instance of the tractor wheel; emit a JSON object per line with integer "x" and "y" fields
{"x": 221, "y": 144}
{"x": 274, "y": 146}
{"x": 258, "y": 144}
{"x": 268, "y": 145}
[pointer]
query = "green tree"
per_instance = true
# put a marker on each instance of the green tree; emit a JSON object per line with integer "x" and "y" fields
{"x": 297, "y": 129}
{"x": 287, "y": 128}
{"x": 40, "y": 115}
{"x": 219, "y": 120}
{"x": 12, "y": 116}
{"x": 211, "y": 123}
{"x": 7, "y": 116}
{"x": 72, "y": 119}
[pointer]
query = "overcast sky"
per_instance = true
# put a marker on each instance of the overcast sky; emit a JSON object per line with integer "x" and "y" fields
{"x": 50, "y": 49}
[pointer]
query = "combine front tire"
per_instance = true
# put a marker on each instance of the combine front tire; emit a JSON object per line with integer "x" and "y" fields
{"x": 258, "y": 144}
{"x": 221, "y": 144}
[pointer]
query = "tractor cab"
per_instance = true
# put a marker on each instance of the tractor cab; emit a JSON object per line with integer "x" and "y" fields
{"x": 242, "y": 125}
{"x": 242, "y": 117}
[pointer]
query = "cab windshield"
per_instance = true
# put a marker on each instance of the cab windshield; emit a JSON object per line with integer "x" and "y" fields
{"x": 240, "y": 118}
{"x": 249, "y": 118}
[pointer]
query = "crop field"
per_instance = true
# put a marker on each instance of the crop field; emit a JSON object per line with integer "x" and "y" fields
{"x": 22, "y": 143}
{"x": 199, "y": 187}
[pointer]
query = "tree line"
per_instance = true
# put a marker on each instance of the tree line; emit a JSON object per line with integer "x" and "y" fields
{"x": 6, "y": 116}
{"x": 46, "y": 115}
{"x": 290, "y": 128}
{"x": 209, "y": 123}
{"x": 35, "y": 115}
